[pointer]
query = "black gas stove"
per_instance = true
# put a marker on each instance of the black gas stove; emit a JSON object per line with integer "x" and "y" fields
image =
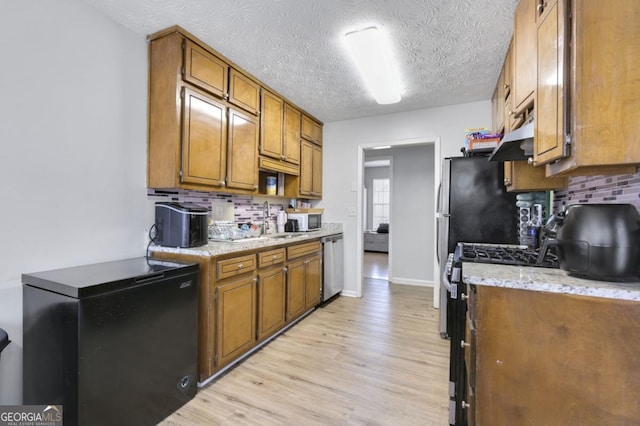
{"x": 505, "y": 255}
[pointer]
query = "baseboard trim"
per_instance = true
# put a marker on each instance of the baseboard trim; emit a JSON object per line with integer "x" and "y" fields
{"x": 348, "y": 293}
{"x": 409, "y": 281}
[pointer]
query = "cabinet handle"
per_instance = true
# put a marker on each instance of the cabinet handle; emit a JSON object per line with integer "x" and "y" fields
{"x": 255, "y": 186}
{"x": 285, "y": 269}
{"x": 465, "y": 405}
{"x": 541, "y": 7}
{"x": 506, "y": 86}
{"x": 223, "y": 183}
{"x": 274, "y": 257}
{"x": 307, "y": 261}
{"x": 511, "y": 113}
{"x": 507, "y": 182}
{"x": 463, "y": 296}
{"x": 239, "y": 265}
{"x": 464, "y": 344}
{"x": 530, "y": 160}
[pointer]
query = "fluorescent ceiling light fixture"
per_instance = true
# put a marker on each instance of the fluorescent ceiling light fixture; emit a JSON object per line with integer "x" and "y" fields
{"x": 371, "y": 53}
{"x": 382, "y": 147}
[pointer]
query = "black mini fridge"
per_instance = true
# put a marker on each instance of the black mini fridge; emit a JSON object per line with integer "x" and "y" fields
{"x": 113, "y": 343}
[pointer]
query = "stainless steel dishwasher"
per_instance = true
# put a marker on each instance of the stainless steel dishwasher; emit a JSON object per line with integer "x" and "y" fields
{"x": 333, "y": 266}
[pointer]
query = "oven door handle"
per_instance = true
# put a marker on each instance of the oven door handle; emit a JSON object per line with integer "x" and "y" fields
{"x": 445, "y": 280}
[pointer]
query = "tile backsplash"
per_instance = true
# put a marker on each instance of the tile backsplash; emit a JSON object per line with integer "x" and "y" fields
{"x": 245, "y": 209}
{"x": 600, "y": 189}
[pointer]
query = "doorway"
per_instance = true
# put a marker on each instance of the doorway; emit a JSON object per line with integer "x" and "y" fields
{"x": 377, "y": 202}
{"x": 425, "y": 259}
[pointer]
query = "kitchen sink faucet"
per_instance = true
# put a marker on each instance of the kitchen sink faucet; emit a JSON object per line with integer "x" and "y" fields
{"x": 265, "y": 215}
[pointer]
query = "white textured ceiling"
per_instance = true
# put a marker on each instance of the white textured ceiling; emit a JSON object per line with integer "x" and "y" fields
{"x": 449, "y": 51}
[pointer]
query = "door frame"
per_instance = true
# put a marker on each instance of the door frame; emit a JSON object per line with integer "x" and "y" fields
{"x": 360, "y": 200}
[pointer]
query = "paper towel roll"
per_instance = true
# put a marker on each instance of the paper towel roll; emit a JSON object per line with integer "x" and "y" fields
{"x": 282, "y": 218}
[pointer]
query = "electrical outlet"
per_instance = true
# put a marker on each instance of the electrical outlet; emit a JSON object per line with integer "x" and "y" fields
{"x": 351, "y": 211}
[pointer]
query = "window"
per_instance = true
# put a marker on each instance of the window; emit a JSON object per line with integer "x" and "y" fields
{"x": 380, "y": 203}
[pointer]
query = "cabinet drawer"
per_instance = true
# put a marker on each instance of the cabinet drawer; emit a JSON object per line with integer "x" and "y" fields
{"x": 271, "y": 257}
{"x": 303, "y": 249}
{"x": 235, "y": 266}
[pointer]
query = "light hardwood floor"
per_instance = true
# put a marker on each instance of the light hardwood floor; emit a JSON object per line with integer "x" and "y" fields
{"x": 375, "y": 265}
{"x": 378, "y": 360}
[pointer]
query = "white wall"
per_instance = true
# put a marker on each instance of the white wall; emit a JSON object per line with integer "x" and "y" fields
{"x": 73, "y": 97}
{"x": 341, "y": 141}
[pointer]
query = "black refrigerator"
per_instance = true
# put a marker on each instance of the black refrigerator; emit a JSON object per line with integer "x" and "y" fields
{"x": 473, "y": 207}
{"x": 112, "y": 343}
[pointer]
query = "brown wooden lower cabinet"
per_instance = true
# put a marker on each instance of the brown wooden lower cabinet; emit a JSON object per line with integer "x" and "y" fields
{"x": 552, "y": 359}
{"x": 313, "y": 281}
{"x": 304, "y": 282}
{"x": 236, "y": 319}
{"x": 295, "y": 289}
{"x": 247, "y": 297}
{"x": 272, "y": 289}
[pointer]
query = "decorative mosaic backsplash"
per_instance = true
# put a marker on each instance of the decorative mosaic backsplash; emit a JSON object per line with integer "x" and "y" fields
{"x": 600, "y": 189}
{"x": 245, "y": 209}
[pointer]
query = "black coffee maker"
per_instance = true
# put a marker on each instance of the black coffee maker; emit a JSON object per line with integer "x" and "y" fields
{"x": 291, "y": 225}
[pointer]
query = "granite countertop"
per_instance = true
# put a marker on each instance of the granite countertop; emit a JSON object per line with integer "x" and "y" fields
{"x": 216, "y": 248}
{"x": 547, "y": 280}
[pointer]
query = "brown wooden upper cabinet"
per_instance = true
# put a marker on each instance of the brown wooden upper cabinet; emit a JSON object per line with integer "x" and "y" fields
{"x": 311, "y": 130}
{"x": 242, "y": 151}
{"x": 208, "y": 72}
{"x": 280, "y": 135}
{"x": 204, "y": 139}
{"x": 291, "y": 147}
{"x": 204, "y": 131}
{"x": 310, "y": 170}
{"x": 204, "y": 70}
{"x": 272, "y": 125}
{"x": 244, "y": 92}
{"x": 524, "y": 55}
{"x": 198, "y": 140}
{"x": 587, "y": 94}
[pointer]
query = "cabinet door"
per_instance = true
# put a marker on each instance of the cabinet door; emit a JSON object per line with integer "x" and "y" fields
{"x": 310, "y": 169}
{"x": 295, "y": 289}
{"x": 522, "y": 176}
{"x": 242, "y": 163}
{"x": 507, "y": 83}
{"x": 244, "y": 92}
{"x": 204, "y": 139}
{"x": 313, "y": 284}
{"x": 306, "y": 168}
{"x": 271, "y": 129}
{"x": 236, "y": 313}
{"x": 272, "y": 295}
{"x": 311, "y": 130}
{"x": 317, "y": 172}
{"x": 291, "y": 134}
{"x": 549, "y": 122}
{"x": 204, "y": 70}
{"x": 524, "y": 51}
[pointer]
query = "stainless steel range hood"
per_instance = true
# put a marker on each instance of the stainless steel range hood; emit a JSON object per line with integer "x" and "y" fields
{"x": 516, "y": 145}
